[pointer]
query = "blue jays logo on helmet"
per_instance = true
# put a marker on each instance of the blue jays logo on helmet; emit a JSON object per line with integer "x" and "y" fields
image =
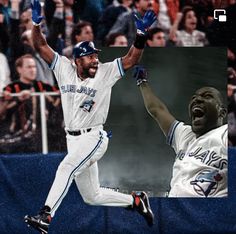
{"x": 206, "y": 182}
{"x": 84, "y": 48}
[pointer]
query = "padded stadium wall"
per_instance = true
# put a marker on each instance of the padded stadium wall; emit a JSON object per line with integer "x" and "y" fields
{"x": 25, "y": 181}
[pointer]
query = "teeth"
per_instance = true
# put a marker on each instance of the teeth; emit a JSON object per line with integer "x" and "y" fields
{"x": 197, "y": 109}
{"x": 197, "y": 112}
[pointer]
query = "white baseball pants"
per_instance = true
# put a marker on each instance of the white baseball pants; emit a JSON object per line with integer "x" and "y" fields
{"x": 81, "y": 164}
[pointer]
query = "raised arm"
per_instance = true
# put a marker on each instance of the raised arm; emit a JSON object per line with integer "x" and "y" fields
{"x": 174, "y": 27}
{"x": 135, "y": 52}
{"x": 39, "y": 41}
{"x": 155, "y": 107}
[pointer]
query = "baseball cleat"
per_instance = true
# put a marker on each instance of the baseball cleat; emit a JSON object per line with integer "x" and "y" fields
{"x": 39, "y": 222}
{"x": 141, "y": 204}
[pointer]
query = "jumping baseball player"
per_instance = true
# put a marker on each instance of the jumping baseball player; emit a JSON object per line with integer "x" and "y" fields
{"x": 85, "y": 87}
{"x": 200, "y": 168}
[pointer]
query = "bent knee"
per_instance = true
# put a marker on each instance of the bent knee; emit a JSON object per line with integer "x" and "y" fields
{"x": 91, "y": 199}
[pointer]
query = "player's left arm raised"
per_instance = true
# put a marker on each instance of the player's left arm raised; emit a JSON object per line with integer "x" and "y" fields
{"x": 135, "y": 52}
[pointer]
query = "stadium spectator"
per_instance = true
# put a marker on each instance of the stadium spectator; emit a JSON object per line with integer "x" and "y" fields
{"x": 117, "y": 40}
{"x": 25, "y": 22}
{"x": 90, "y": 11}
{"x": 166, "y": 11}
{"x": 187, "y": 35}
{"x": 68, "y": 12}
{"x": 156, "y": 38}
{"x": 43, "y": 72}
{"x": 5, "y": 8}
{"x": 22, "y": 110}
{"x": 108, "y": 18}
{"x": 204, "y": 10}
{"x": 82, "y": 31}
{"x": 125, "y": 22}
{"x": 4, "y": 71}
{"x": 24, "y": 45}
{"x": 73, "y": 12}
{"x": 4, "y": 24}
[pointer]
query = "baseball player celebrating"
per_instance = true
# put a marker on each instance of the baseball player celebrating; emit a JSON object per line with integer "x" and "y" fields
{"x": 85, "y": 87}
{"x": 200, "y": 168}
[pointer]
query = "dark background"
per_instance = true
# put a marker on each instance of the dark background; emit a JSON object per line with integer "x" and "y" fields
{"x": 138, "y": 156}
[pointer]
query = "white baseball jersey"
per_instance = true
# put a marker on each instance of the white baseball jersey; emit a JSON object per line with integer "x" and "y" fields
{"x": 200, "y": 168}
{"x": 86, "y": 102}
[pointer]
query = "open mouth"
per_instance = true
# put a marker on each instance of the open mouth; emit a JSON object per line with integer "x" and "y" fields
{"x": 197, "y": 113}
{"x": 193, "y": 24}
{"x": 93, "y": 69}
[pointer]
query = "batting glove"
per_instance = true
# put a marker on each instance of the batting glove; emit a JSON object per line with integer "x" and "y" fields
{"x": 140, "y": 74}
{"x": 36, "y": 12}
{"x": 143, "y": 24}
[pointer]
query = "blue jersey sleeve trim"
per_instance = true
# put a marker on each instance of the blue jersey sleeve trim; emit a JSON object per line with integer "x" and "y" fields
{"x": 225, "y": 135}
{"x": 171, "y": 132}
{"x": 53, "y": 64}
{"x": 120, "y": 66}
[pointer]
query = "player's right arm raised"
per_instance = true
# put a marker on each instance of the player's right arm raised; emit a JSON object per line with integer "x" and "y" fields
{"x": 135, "y": 52}
{"x": 155, "y": 107}
{"x": 39, "y": 41}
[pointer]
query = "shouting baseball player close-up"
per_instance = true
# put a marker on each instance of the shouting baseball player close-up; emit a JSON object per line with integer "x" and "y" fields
{"x": 201, "y": 163}
{"x": 85, "y": 85}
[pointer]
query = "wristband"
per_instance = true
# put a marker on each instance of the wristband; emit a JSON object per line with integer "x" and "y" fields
{"x": 140, "y": 41}
{"x": 35, "y": 24}
{"x": 141, "y": 81}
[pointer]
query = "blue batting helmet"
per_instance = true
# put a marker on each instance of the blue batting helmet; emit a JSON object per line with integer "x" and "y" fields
{"x": 84, "y": 48}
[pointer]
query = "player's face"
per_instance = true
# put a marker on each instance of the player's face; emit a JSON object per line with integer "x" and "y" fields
{"x": 89, "y": 65}
{"x": 205, "y": 109}
{"x": 28, "y": 69}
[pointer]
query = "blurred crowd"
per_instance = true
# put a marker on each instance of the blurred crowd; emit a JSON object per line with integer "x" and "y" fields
{"x": 110, "y": 23}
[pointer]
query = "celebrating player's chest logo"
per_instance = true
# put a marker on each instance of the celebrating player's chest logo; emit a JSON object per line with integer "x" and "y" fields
{"x": 83, "y": 89}
{"x": 206, "y": 182}
{"x": 87, "y": 105}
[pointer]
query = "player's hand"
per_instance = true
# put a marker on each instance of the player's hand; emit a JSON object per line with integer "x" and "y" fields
{"x": 140, "y": 74}
{"x": 143, "y": 24}
{"x": 36, "y": 12}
